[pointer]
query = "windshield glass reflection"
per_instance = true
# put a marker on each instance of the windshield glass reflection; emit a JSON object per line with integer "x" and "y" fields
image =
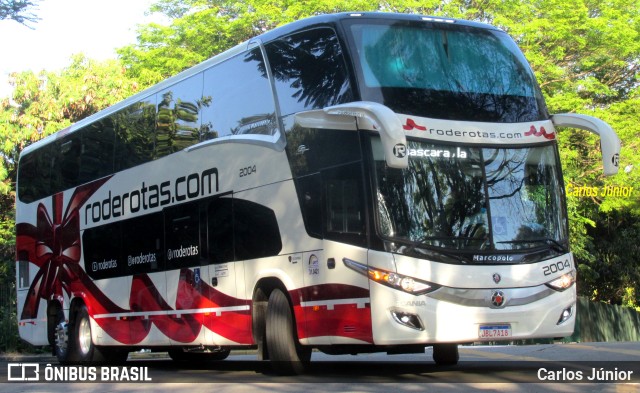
{"x": 471, "y": 198}
{"x": 445, "y": 71}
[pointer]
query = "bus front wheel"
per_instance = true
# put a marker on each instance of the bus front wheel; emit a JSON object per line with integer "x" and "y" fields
{"x": 286, "y": 354}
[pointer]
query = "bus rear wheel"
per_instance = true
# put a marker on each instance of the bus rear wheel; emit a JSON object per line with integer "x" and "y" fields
{"x": 73, "y": 342}
{"x": 286, "y": 354}
{"x": 446, "y": 354}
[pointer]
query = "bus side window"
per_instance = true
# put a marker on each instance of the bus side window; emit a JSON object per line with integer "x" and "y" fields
{"x": 237, "y": 98}
{"x": 255, "y": 231}
{"x": 220, "y": 230}
{"x": 23, "y": 274}
{"x": 178, "y": 124}
{"x": 66, "y": 168}
{"x": 309, "y": 71}
{"x": 310, "y": 198}
{"x": 102, "y": 250}
{"x": 142, "y": 239}
{"x": 135, "y": 133}
{"x": 182, "y": 234}
{"x": 96, "y": 159}
{"x": 34, "y": 177}
{"x": 344, "y": 204}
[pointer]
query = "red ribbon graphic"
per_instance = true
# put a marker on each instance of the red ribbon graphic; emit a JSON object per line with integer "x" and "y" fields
{"x": 533, "y": 131}
{"x": 54, "y": 246}
{"x": 411, "y": 124}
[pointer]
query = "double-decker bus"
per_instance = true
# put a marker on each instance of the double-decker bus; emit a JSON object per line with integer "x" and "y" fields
{"x": 351, "y": 183}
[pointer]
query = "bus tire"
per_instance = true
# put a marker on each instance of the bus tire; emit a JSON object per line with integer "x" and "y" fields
{"x": 446, "y": 354}
{"x": 60, "y": 340}
{"x": 80, "y": 346}
{"x": 286, "y": 355}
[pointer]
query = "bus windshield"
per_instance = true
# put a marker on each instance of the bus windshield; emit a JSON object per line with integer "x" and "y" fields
{"x": 471, "y": 199}
{"x": 445, "y": 71}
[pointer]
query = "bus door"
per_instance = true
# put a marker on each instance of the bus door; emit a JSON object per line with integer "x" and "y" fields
{"x": 336, "y": 299}
{"x": 224, "y": 318}
{"x": 187, "y": 274}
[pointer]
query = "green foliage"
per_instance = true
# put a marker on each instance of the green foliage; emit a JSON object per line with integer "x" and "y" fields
{"x": 40, "y": 105}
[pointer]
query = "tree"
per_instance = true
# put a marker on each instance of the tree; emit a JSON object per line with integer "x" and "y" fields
{"x": 40, "y": 105}
{"x": 18, "y": 10}
{"x": 200, "y": 29}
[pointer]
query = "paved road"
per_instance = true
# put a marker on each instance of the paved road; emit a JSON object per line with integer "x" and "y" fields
{"x": 504, "y": 369}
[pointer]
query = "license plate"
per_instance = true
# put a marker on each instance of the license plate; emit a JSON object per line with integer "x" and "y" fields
{"x": 495, "y": 331}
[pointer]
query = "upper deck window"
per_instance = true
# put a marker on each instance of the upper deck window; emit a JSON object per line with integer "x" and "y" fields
{"x": 309, "y": 71}
{"x": 445, "y": 71}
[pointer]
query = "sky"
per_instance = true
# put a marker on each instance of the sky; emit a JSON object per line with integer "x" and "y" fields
{"x": 67, "y": 27}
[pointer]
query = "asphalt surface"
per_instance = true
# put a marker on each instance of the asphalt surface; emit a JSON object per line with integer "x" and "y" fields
{"x": 584, "y": 367}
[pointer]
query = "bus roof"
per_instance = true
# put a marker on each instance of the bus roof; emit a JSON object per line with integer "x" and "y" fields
{"x": 303, "y": 24}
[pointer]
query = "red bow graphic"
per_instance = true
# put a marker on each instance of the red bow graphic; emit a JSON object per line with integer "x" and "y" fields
{"x": 411, "y": 124}
{"x": 533, "y": 131}
{"x": 54, "y": 246}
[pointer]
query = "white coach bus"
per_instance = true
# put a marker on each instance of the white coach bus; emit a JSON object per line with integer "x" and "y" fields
{"x": 348, "y": 183}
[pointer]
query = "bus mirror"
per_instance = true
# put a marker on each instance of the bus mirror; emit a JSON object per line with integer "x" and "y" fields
{"x": 320, "y": 119}
{"x": 609, "y": 141}
{"x": 377, "y": 117}
{"x": 368, "y": 116}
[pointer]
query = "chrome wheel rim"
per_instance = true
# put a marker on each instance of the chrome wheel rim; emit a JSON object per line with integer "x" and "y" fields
{"x": 84, "y": 336}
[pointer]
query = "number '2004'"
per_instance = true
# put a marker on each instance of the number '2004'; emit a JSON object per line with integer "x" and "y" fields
{"x": 250, "y": 170}
{"x": 556, "y": 267}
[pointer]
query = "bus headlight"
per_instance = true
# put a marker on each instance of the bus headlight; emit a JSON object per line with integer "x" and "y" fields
{"x": 563, "y": 282}
{"x": 394, "y": 280}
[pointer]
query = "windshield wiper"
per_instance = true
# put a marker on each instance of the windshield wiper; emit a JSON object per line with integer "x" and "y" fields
{"x": 555, "y": 245}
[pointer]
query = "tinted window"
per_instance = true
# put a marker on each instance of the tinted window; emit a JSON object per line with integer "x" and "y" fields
{"x": 309, "y": 71}
{"x": 344, "y": 206}
{"x": 123, "y": 248}
{"x": 96, "y": 159}
{"x": 311, "y": 150}
{"x": 182, "y": 226}
{"x": 34, "y": 174}
{"x": 66, "y": 168}
{"x": 237, "y": 98}
{"x": 142, "y": 239}
{"x": 135, "y": 133}
{"x": 179, "y": 116}
{"x": 102, "y": 251}
{"x": 445, "y": 71}
{"x": 220, "y": 229}
{"x": 256, "y": 232}
{"x": 309, "y": 190}
{"x": 24, "y": 280}
{"x": 326, "y": 165}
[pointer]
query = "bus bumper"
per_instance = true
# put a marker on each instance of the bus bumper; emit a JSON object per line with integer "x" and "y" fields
{"x": 402, "y": 318}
